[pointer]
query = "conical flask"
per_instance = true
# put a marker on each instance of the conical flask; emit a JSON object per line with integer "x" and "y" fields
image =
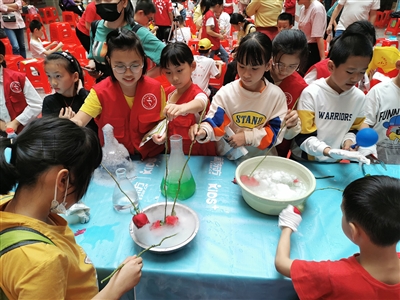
{"x": 115, "y": 155}
{"x": 176, "y": 161}
{"x": 120, "y": 201}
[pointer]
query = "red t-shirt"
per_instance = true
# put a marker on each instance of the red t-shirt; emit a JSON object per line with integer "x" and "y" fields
{"x": 163, "y": 7}
{"x": 89, "y": 15}
{"x": 292, "y": 86}
{"x": 343, "y": 279}
{"x": 228, "y": 9}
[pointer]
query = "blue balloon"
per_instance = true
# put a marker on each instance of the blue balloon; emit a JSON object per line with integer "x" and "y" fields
{"x": 367, "y": 137}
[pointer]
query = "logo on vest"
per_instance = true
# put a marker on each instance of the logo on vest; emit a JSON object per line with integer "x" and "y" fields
{"x": 15, "y": 87}
{"x": 289, "y": 98}
{"x": 149, "y": 101}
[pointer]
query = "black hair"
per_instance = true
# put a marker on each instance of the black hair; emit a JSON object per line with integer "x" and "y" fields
{"x": 147, "y": 6}
{"x": 373, "y": 202}
{"x": 176, "y": 54}
{"x": 216, "y": 2}
{"x": 70, "y": 63}
{"x": 290, "y": 41}
{"x": 35, "y": 24}
{"x": 363, "y": 27}
{"x": 180, "y": 20}
{"x": 286, "y": 17}
{"x": 205, "y": 4}
{"x": 47, "y": 142}
{"x": 239, "y": 18}
{"x": 129, "y": 13}
{"x": 353, "y": 44}
{"x": 124, "y": 39}
{"x": 254, "y": 49}
{"x": 3, "y": 52}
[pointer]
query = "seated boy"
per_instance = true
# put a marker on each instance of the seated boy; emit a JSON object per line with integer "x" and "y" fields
{"x": 205, "y": 68}
{"x": 382, "y": 112}
{"x": 285, "y": 21}
{"x": 371, "y": 210}
{"x": 37, "y": 48}
{"x": 144, "y": 12}
{"x": 331, "y": 109}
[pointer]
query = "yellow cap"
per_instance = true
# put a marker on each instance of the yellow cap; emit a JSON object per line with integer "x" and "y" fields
{"x": 205, "y": 44}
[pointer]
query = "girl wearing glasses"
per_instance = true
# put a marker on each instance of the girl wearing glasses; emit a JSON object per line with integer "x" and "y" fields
{"x": 289, "y": 50}
{"x": 186, "y": 100}
{"x": 66, "y": 77}
{"x": 131, "y": 102}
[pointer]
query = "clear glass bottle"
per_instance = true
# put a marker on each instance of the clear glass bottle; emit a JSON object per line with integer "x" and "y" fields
{"x": 120, "y": 201}
{"x": 115, "y": 155}
{"x": 176, "y": 161}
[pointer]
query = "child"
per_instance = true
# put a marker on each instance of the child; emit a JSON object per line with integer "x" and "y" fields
{"x": 290, "y": 9}
{"x": 331, "y": 109}
{"x": 37, "y": 48}
{"x": 186, "y": 100}
{"x": 251, "y": 107}
{"x": 205, "y": 67}
{"x": 285, "y": 21}
{"x": 51, "y": 165}
{"x": 131, "y": 102}
{"x": 144, "y": 12}
{"x": 382, "y": 112}
{"x": 210, "y": 27}
{"x": 371, "y": 210}
{"x": 320, "y": 69}
{"x": 83, "y": 26}
{"x": 242, "y": 26}
{"x": 183, "y": 33}
{"x": 19, "y": 101}
{"x": 66, "y": 77}
{"x": 289, "y": 50}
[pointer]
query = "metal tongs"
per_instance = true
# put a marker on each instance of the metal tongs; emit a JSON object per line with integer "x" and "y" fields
{"x": 375, "y": 160}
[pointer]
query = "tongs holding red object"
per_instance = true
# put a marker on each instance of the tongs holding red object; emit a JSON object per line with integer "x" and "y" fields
{"x": 375, "y": 160}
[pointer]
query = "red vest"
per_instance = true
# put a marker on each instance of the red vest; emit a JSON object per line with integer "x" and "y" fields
{"x": 322, "y": 69}
{"x": 181, "y": 125}
{"x": 228, "y": 9}
{"x": 13, "y": 85}
{"x": 292, "y": 86}
{"x": 214, "y": 40}
{"x": 130, "y": 125}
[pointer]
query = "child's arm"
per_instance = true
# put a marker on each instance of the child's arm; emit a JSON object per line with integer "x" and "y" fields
{"x": 289, "y": 221}
{"x": 293, "y": 124}
{"x": 55, "y": 49}
{"x": 194, "y": 106}
{"x": 90, "y": 109}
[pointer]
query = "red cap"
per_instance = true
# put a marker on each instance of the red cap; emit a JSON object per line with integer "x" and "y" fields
{"x": 9, "y": 130}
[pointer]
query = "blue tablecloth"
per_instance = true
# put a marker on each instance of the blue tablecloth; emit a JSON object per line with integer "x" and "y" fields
{"x": 232, "y": 255}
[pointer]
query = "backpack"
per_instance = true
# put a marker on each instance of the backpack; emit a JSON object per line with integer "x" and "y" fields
{"x": 15, "y": 237}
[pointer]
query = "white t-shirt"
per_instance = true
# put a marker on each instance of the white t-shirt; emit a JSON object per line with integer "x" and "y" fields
{"x": 224, "y": 23}
{"x": 355, "y": 10}
{"x": 183, "y": 33}
{"x": 382, "y": 111}
{"x": 205, "y": 68}
{"x": 37, "y": 49}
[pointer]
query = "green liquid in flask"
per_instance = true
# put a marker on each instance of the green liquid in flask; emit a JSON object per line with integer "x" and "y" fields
{"x": 186, "y": 190}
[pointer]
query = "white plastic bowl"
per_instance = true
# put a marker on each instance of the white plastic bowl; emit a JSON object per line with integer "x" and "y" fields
{"x": 274, "y": 163}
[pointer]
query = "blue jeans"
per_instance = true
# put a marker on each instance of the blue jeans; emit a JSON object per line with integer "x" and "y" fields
{"x": 223, "y": 55}
{"x": 17, "y": 40}
{"x": 338, "y": 32}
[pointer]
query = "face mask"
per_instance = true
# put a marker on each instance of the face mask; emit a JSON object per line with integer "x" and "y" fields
{"x": 108, "y": 11}
{"x": 59, "y": 208}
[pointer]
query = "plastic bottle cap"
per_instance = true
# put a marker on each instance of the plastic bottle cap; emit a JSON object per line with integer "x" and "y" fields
{"x": 9, "y": 130}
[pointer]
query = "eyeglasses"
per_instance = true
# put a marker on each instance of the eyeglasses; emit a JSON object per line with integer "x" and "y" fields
{"x": 135, "y": 68}
{"x": 282, "y": 67}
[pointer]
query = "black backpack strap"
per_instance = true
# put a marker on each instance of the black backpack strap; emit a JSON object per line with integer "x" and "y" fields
{"x": 93, "y": 27}
{"x": 136, "y": 27}
{"x": 15, "y": 237}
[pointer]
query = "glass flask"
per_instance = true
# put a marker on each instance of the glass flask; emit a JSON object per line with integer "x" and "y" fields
{"x": 115, "y": 155}
{"x": 120, "y": 201}
{"x": 176, "y": 161}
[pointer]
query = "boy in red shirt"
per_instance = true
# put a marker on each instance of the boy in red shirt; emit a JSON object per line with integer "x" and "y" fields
{"x": 163, "y": 18}
{"x": 371, "y": 210}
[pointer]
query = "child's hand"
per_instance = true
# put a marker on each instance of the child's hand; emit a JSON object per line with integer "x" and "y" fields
{"x": 291, "y": 118}
{"x": 237, "y": 140}
{"x": 159, "y": 139}
{"x": 347, "y": 145}
{"x": 60, "y": 44}
{"x": 290, "y": 217}
{"x": 174, "y": 110}
{"x": 196, "y": 133}
{"x": 66, "y": 113}
{"x": 128, "y": 276}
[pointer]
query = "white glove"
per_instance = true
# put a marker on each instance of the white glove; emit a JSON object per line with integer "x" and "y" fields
{"x": 350, "y": 155}
{"x": 368, "y": 150}
{"x": 290, "y": 217}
